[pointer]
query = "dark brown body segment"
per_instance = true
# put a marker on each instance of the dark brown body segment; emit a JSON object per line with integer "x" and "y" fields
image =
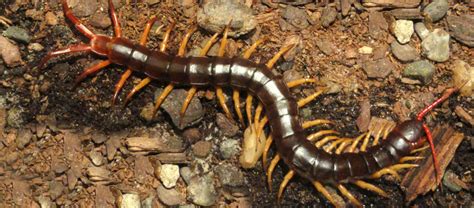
{"x": 281, "y": 108}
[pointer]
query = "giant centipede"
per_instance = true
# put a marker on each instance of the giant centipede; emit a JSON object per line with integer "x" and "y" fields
{"x": 303, "y": 154}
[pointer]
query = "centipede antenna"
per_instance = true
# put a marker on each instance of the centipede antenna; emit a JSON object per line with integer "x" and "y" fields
{"x": 429, "y": 137}
{"x": 115, "y": 21}
{"x": 430, "y": 107}
{"x": 91, "y": 70}
{"x": 71, "y": 49}
{"x": 77, "y": 23}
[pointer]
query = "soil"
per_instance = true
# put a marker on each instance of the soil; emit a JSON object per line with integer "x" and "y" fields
{"x": 53, "y": 110}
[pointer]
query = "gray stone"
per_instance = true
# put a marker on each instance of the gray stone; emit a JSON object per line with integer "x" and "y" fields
{"x": 23, "y": 138}
{"x": 436, "y": 9}
{"x": 328, "y": 16}
{"x": 436, "y": 46}
{"x": 420, "y": 70}
{"x": 227, "y": 126}
{"x": 202, "y": 191}
{"x": 100, "y": 20}
{"x": 172, "y": 105}
{"x": 228, "y": 148}
{"x": 215, "y": 15}
{"x": 403, "y": 30}
{"x": 56, "y": 189}
{"x": 421, "y": 30}
{"x": 378, "y": 68}
{"x": 18, "y": 34}
{"x": 170, "y": 197}
{"x": 296, "y": 17}
{"x": 84, "y": 8}
{"x": 462, "y": 28}
{"x": 186, "y": 174}
{"x": 230, "y": 175}
{"x": 404, "y": 53}
{"x": 14, "y": 117}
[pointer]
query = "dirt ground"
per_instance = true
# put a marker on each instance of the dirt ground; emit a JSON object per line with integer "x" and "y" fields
{"x": 66, "y": 146}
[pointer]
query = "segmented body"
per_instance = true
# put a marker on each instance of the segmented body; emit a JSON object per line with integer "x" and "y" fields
{"x": 281, "y": 109}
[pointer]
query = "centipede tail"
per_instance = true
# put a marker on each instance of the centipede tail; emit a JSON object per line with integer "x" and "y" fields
{"x": 324, "y": 157}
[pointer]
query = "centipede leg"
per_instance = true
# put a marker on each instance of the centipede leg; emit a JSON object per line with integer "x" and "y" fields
{"x": 77, "y": 23}
{"x": 258, "y": 112}
{"x": 162, "y": 97}
{"x": 270, "y": 170}
{"x": 370, "y": 187}
{"x": 340, "y": 141}
{"x": 136, "y": 88}
{"x": 325, "y": 140}
{"x": 308, "y": 99}
{"x": 308, "y": 124}
{"x": 236, "y": 98}
{"x": 91, "y": 70}
{"x": 379, "y": 133}
{"x": 277, "y": 56}
{"x": 299, "y": 82}
{"x": 392, "y": 170}
{"x": 268, "y": 143}
{"x": 283, "y": 184}
{"x": 261, "y": 125}
{"x": 314, "y": 136}
{"x": 166, "y": 37}
{"x": 186, "y": 103}
{"x": 410, "y": 158}
{"x": 115, "y": 22}
{"x": 325, "y": 193}
{"x": 353, "y": 147}
{"x": 349, "y": 196}
{"x": 363, "y": 147}
{"x": 248, "y": 108}
{"x": 68, "y": 50}
{"x": 128, "y": 72}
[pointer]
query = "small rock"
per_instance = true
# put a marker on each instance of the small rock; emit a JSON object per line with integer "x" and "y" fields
{"x": 215, "y": 15}
{"x": 227, "y": 126}
{"x": 99, "y": 138}
{"x": 228, "y": 148}
{"x": 172, "y": 105}
{"x": 381, "y": 51}
{"x": 436, "y": 45}
{"x": 14, "y": 117}
{"x": 326, "y": 46}
{"x": 366, "y": 50}
{"x": 364, "y": 118}
{"x": 350, "y": 53}
{"x": 3, "y": 120}
{"x": 147, "y": 113}
{"x": 328, "y": 16}
{"x": 100, "y": 20}
{"x": 192, "y": 135}
{"x": 421, "y": 30}
{"x": 35, "y": 47}
{"x": 462, "y": 28}
{"x": 169, "y": 174}
{"x": 202, "y": 148}
{"x": 403, "y": 30}
{"x": 436, "y": 9}
{"x": 201, "y": 190}
{"x": 10, "y": 52}
{"x": 170, "y": 197}
{"x": 51, "y": 18}
{"x": 230, "y": 175}
{"x": 17, "y": 33}
{"x": 55, "y": 189}
{"x": 130, "y": 201}
{"x": 45, "y": 202}
{"x": 463, "y": 73}
{"x": 83, "y": 8}
{"x": 452, "y": 181}
{"x": 186, "y": 174}
{"x": 291, "y": 75}
{"x": 404, "y": 53}
{"x": 377, "y": 25}
{"x": 296, "y": 17}
{"x": 464, "y": 115}
{"x": 420, "y": 70}
{"x": 23, "y": 138}
{"x": 96, "y": 158}
{"x": 98, "y": 174}
{"x": 378, "y": 68}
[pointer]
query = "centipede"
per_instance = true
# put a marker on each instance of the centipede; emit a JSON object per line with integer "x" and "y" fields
{"x": 343, "y": 161}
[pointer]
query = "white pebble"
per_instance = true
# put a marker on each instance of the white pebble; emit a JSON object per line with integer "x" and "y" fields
{"x": 130, "y": 201}
{"x": 366, "y": 50}
{"x": 169, "y": 174}
{"x": 403, "y": 30}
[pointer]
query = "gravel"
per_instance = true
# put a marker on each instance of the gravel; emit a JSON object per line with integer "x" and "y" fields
{"x": 18, "y": 34}
{"x": 436, "y": 46}
{"x": 421, "y": 70}
{"x": 328, "y": 16}
{"x": 169, "y": 175}
{"x": 404, "y": 53}
{"x": 436, "y": 10}
{"x": 10, "y": 52}
{"x": 403, "y": 30}
{"x": 229, "y": 148}
{"x": 379, "y": 68}
{"x": 202, "y": 191}
{"x": 170, "y": 197}
{"x": 462, "y": 28}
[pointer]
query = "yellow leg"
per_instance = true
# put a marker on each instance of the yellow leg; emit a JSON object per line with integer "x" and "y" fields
{"x": 261, "y": 125}
{"x": 393, "y": 170}
{"x": 209, "y": 44}
{"x": 268, "y": 143}
{"x": 248, "y": 108}
{"x": 325, "y": 140}
{"x": 166, "y": 37}
{"x": 349, "y": 196}
{"x": 91, "y": 70}
{"x": 313, "y": 137}
{"x": 335, "y": 143}
{"x": 162, "y": 97}
{"x": 283, "y": 184}
{"x": 258, "y": 112}
{"x": 184, "y": 42}
{"x": 363, "y": 148}
{"x": 370, "y": 187}
{"x": 379, "y": 133}
{"x": 410, "y": 158}
{"x": 275, "y": 58}
{"x": 236, "y": 98}
{"x": 188, "y": 99}
{"x": 221, "y": 98}
{"x": 325, "y": 193}
{"x": 343, "y": 146}
{"x": 420, "y": 149}
{"x": 308, "y": 99}
{"x": 299, "y": 82}
{"x": 137, "y": 88}
{"x": 270, "y": 170}
{"x": 223, "y": 42}
{"x": 308, "y": 124}
{"x": 353, "y": 147}
{"x": 252, "y": 48}
{"x": 388, "y": 130}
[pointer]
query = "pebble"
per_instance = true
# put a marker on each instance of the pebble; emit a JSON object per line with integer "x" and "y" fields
{"x": 328, "y": 16}
{"x": 35, "y": 47}
{"x": 100, "y": 20}
{"x": 99, "y": 138}
{"x": 169, "y": 175}
{"x": 186, "y": 174}
{"x": 23, "y": 138}
{"x": 51, "y": 18}
{"x": 436, "y": 46}
{"x": 202, "y": 148}
{"x": 45, "y": 202}
{"x": 366, "y": 50}
{"x": 202, "y": 191}
{"x": 230, "y": 175}
{"x": 228, "y": 148}
{"x": 18, "y": 34}
{"x": 56, "y": 189}
{"x": 378, "y": 68}
{"x": 377, "y": 25}
{"x": 130, "y": 201}
{"x": 403, "y": 30}
{"x": 296, "y": 17}
{"x": 9, "y": 52}
{"x": 364, "y": 117}
{"x": 463, "y": 73}
{"x": 227, "y": 126}
{"x": 465, "y": 116}
{"x": 192, "y": 135}
{"x": 421, "y": 70}
{"x": 146, "y": 113}
{"x": 83, "y": 8}
{"x": 436, "y": 9}
{"x": 170, "y": 197}
{"x": 291, "y": 75}
{"x": 215, "y": 15}
{"x": 462, "y": 28}
{"x": 452, "y": 181}
{"x": 14, "y": 117}
{"x": 404, "y": 53}
{"x": 97, "y": 158}
{"x": 326, "y": 46}
{"x": 421, "y": 30}
{"x": 172, "y": 105}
